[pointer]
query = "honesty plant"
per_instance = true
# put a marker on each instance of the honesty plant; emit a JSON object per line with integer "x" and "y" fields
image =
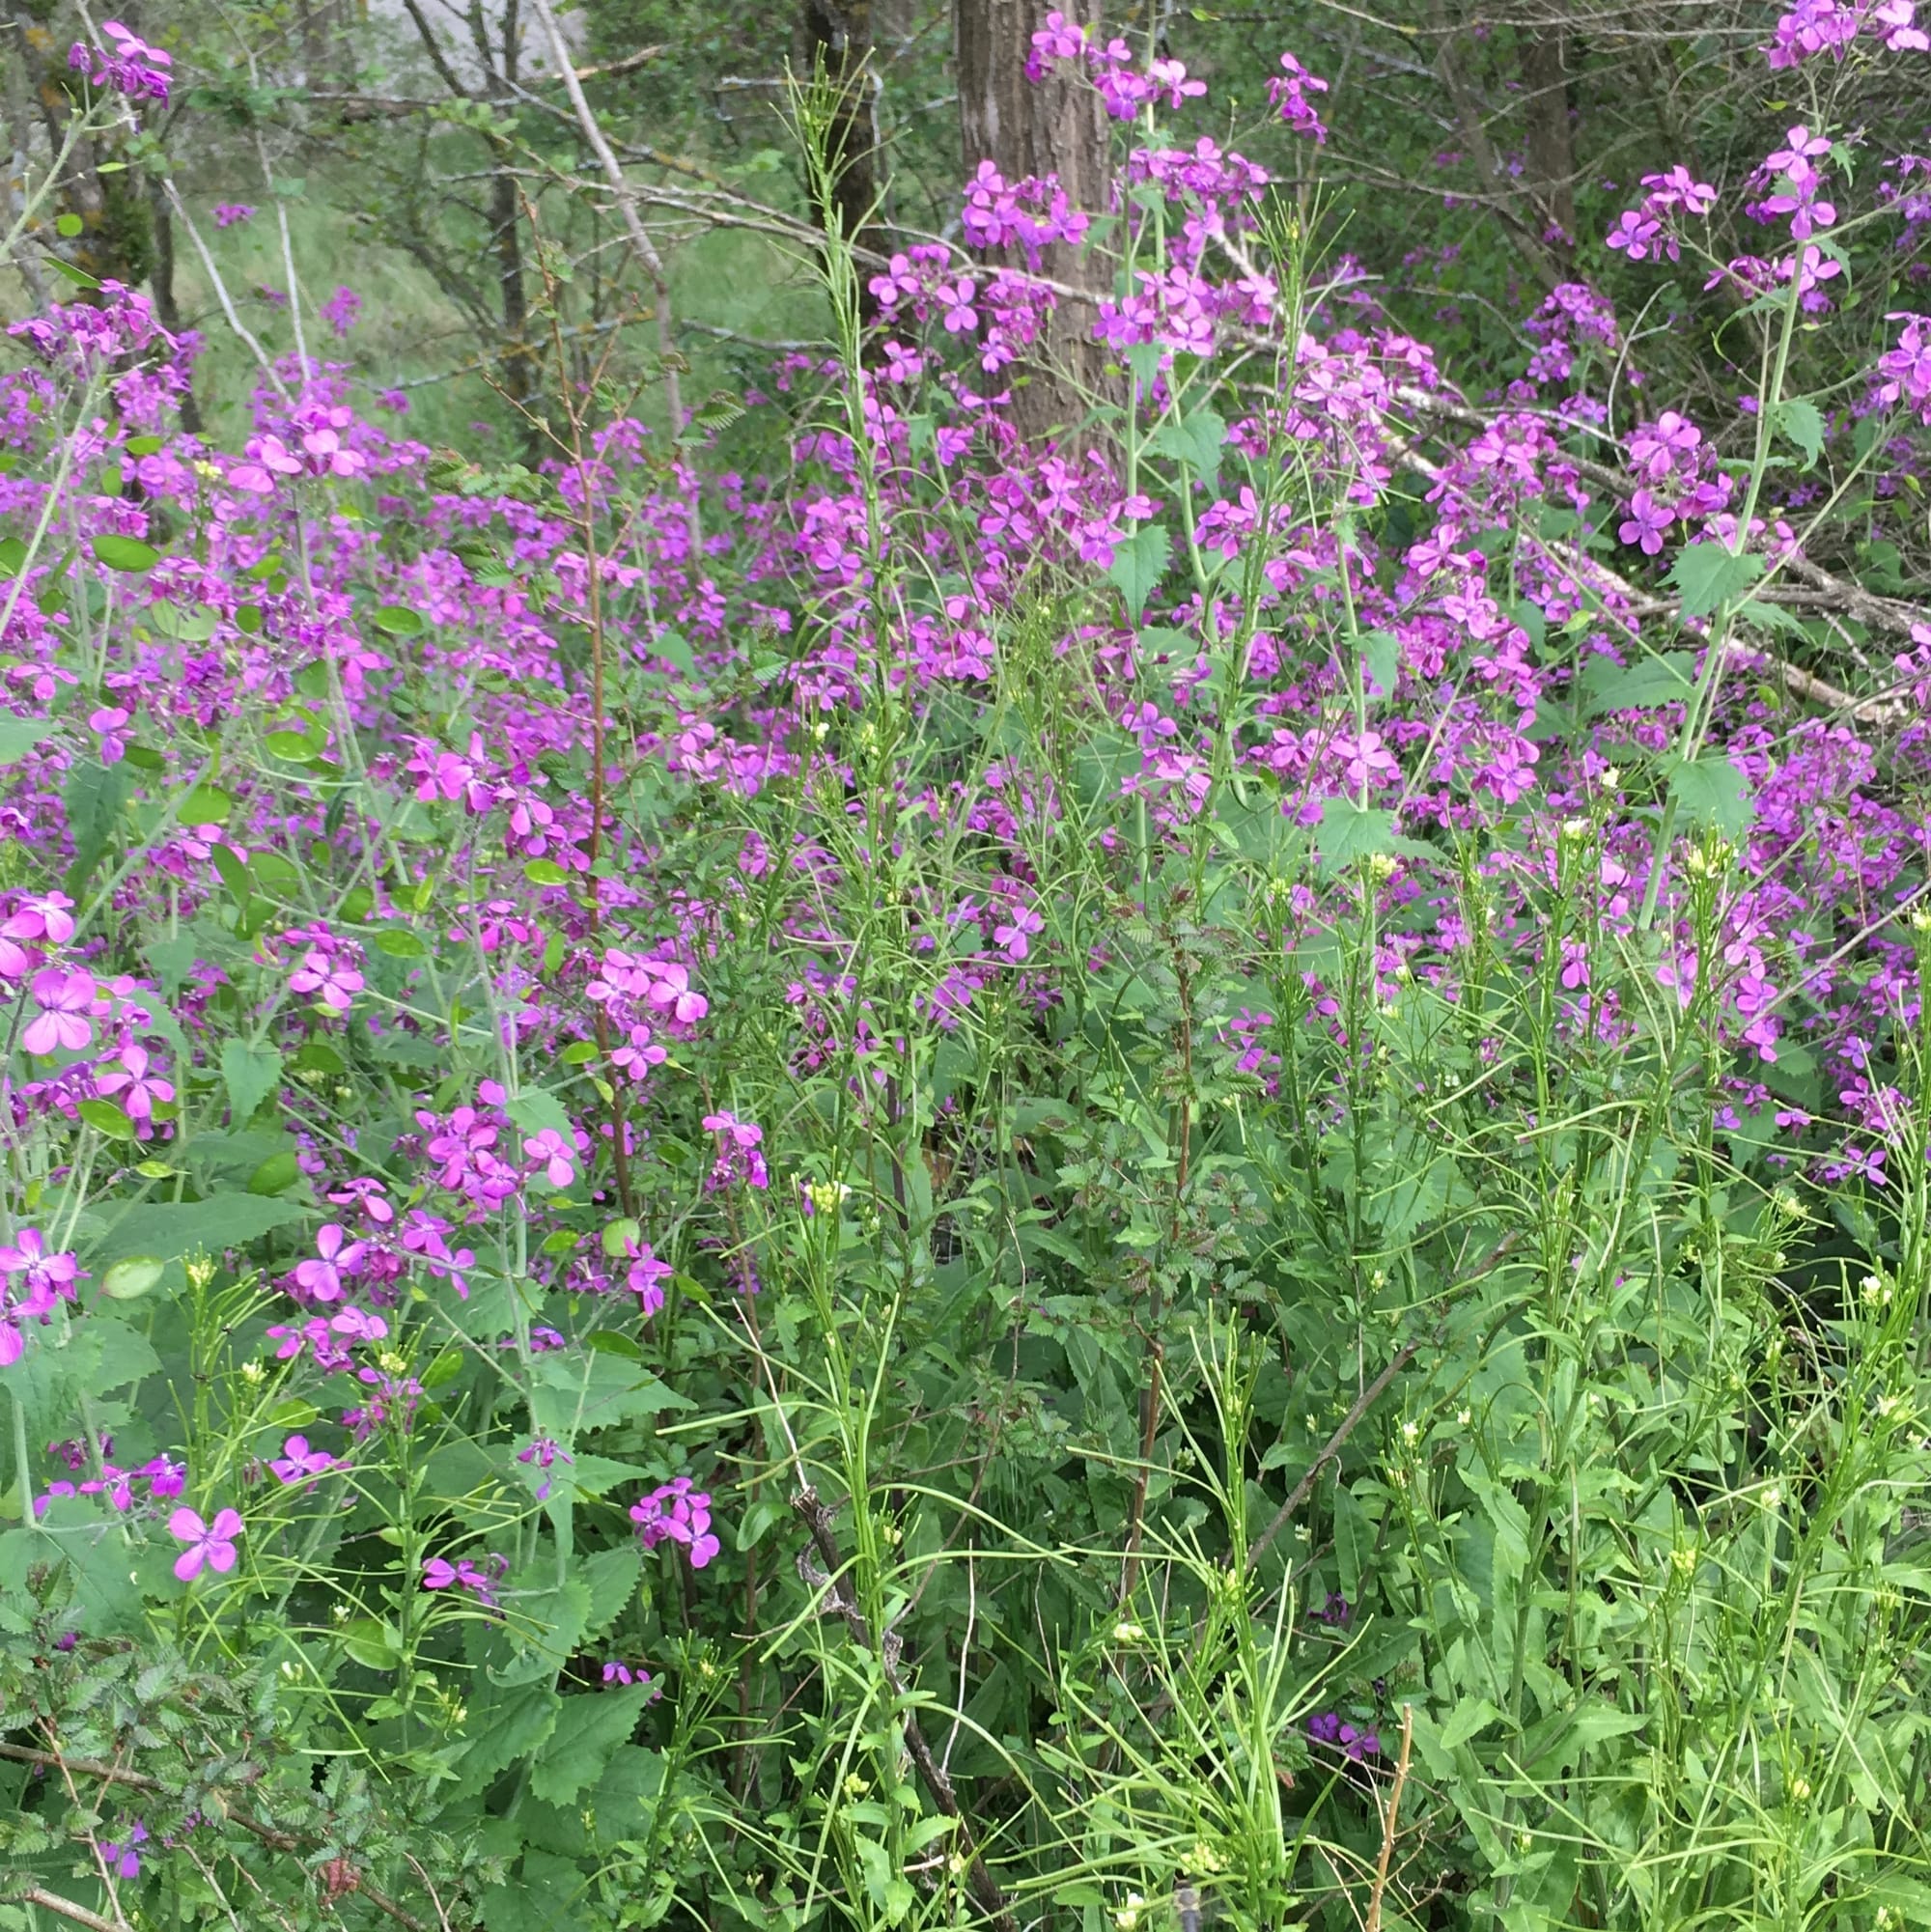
{"x": 877, "y": 1175}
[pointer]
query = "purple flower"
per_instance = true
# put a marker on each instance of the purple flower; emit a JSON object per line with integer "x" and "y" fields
{"x": 230, "y": 213}
{"x": 340, "y": 309}
{"x": 334, "y": 981}
{"x": 480, "y": 1580}
{"x": 322, "y": 1277}
{"x": 48, "y": 1278}
{"x": 674, "y": 1512}
{"x": 1647, "y": 523}
{"x": 549, "y": 1152}
{"x": 297, "y": 1460}
{"x": 1015, "y": 935}
{"x": 739, "y": 1151}
{"x": 1637, "y": 234}
{"x": 122, "y": 1858}
{"x": 543, "y": 1452}
{"x": 63, "y": 998}
{"x": 645, "y": 1278}
{"x": 209, "y": 1543}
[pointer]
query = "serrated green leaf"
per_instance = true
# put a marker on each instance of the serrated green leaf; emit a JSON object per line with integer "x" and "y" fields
{"x": 587, "y": 1735}
{"x": 1707, "y": 577}
{"x": 172, "y": 1230}
{"x": 1350, "y": 831}
{"x": 1609, "y": 686}
{"x": 1139, "y": 562}
{"x": 572, "y": 1394}
{"x": 1709, "y": 790}
{"x": 1801, "y": 420}
{"x": 250, "y": 1073}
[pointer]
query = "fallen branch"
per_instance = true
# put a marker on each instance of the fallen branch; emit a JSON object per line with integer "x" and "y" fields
{"x": 936, "y": 1780}
{"x": 52, "y": 1901}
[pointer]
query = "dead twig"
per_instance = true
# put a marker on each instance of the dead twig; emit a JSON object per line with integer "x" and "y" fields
{"x": 1391, "y": 1812}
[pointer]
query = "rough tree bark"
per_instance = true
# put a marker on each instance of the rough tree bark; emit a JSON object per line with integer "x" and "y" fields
{"x": 1551, "y": 158}
{"x": 837, "y": 38}
{"x": 1059, "y": 126}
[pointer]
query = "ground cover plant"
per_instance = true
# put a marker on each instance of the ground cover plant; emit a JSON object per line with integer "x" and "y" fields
{"x": 814, "y": 1166}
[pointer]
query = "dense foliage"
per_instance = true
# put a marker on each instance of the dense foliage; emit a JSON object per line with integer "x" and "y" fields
{"x": 803, "y": 1168}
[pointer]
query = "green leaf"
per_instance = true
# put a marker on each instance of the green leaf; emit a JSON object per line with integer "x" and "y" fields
{"x": 172, "y": 1230}
{"x": 94, "y": 794}
{"x": 670, "y": 646}
{"x": 375, "y": 1644}
{"x": 536, "y": 1108}
{"x": 545, "y": 872}
{"x": 572, "y": 1394}
{"x": 545, "y": 1898}
{"x": 1709, "y": 790}
{"x": 506, "y": 1726}
{"x": 124, "y": 553}
{"x": 1197, "y": 443}
{"x": 19, "y": 736}
{"x": 1350, "y": 831}
{"x": 275, "y": 1174}
{"x": 1801, "y": 420}
{"x": 80, "y": 277}
{"x": 1380, "y": 663}
{"x": 250, "y": 1073}
{"x": 1708, "y": 576}
{"x": 105, "y": 1117}
{"x": 129, "y": 1280}
{"x": 588, "y": 1732}
{"x": 612, "y": 1577}
{"x": 67, "y": 226}
{"x": 1667, "y": 678}
{"x": 1139, "y": 562}
{"x": 1469, "y": 1718}
{"x": 398, "y": 619}
{"x": 205, "y": 805}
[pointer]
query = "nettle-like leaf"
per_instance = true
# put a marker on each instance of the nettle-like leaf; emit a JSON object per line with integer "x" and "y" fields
{"x": 574, "y": 1393}
{"x": 1708, "y": 575}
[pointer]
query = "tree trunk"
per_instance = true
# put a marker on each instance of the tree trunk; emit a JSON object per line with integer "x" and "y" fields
{"x": 837, "y": 37}
{"x": 162, "y": 280}
{"x": 1059, "y": 127}
{"x": 1551, "y": 158}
